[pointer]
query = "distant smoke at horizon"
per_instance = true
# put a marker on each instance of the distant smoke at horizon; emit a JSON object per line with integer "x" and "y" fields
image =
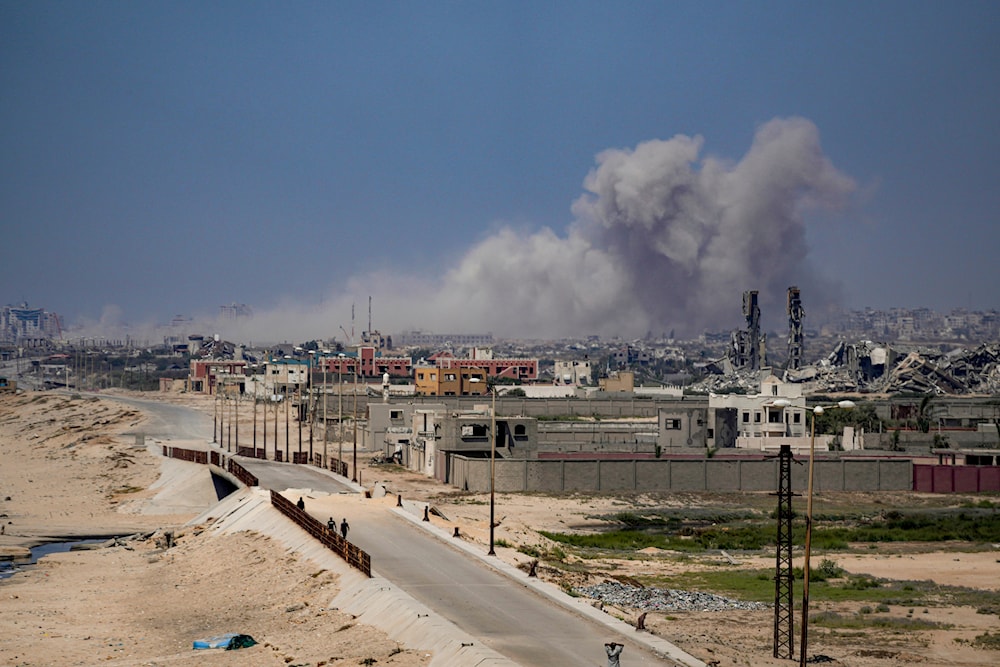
{"x": 663, "y": 239}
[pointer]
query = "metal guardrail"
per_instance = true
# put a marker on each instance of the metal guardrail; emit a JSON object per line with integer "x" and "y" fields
{"x": 251, "y": 453}
{"x": 242, "y": 474}
{"x": 338, "y": 466}
{"x": 216, "y": 459}
{"x": 192, "y": 455}
{"x": 355, "y": 556}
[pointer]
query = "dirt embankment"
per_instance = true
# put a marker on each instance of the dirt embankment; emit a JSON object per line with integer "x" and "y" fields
{"x": 70, "y": 467}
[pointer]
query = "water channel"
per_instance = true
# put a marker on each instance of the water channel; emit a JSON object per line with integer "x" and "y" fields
{"x": 9, "y": 567}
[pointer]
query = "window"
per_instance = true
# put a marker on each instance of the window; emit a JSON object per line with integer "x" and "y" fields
{"x": 756, "y": 417}
{"x": 774, "y": 417}
{"x": 520, "y": 430}
{"x": 672, "y": 424}
{"x": 746, "y": 417}
{"x": 711, "y": 433}
{"x": 449, "y": 377}
{"x": 395, "y": 414}
{"x": 797, "y": 418}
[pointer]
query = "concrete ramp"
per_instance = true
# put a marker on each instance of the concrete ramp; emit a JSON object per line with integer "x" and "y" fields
{"x": 374, "y": 601}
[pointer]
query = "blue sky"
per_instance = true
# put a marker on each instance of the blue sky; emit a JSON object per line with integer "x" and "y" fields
{"x": 555, "y": 168}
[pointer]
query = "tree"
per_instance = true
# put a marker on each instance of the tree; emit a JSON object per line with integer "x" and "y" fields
{"x": 923, "y": 414}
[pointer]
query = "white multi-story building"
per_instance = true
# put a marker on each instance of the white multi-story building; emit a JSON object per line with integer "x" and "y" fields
{"x": 572, "y": 373}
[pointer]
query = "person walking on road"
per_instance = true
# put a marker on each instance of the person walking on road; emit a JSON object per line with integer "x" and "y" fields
{"x": 331, "y": 525}
{"x": 344, "y": 528}
{"x": 613, "y": 650}
{"x": 301, "y": 504}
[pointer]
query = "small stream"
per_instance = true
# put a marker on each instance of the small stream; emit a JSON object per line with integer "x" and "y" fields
{"x": 9, "y": 567}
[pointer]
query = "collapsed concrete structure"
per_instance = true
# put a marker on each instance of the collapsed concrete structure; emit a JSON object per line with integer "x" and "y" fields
{"x": 796, "y": 337}
{"x": 881, "y": 368}
{"x": 862, "y": 366}
{"x": 748, "y": 347}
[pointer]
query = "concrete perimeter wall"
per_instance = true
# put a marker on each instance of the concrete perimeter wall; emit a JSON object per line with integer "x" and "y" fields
{"x": 516, "y": 475}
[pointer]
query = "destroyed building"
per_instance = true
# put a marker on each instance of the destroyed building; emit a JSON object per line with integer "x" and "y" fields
{"x": 748, "y": 347}
{"x": 864, "y": 366}
{"x": 796, "y": 336}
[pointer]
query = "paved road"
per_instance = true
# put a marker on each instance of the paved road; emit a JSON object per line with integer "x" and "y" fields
{"x": 508, "y": 617}
{"x": 167, "y": 421}
{"x": 281, "y": 476}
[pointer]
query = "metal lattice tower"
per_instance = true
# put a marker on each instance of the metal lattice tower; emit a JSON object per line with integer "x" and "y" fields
{"x": 783, "y": 607}
{"x": 795, "y": 336}
{"x": 755, "y": 356}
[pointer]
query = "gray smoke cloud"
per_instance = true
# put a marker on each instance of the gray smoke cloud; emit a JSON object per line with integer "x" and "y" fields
{"x": 663, "y": 239}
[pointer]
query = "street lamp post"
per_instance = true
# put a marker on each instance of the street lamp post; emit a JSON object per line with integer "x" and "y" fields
{"x": 254, "y": 378}
{"x": 340, "y": 412}
{"x": 326, "y": 462}
{"x": 229, "y": 426}
{"x": 493, "y": 457}
{"x": 354, "y": 467}
{"x": 288, "y": 455}
{"x": 215, "y": 415}
{"x": 818, "y": 410}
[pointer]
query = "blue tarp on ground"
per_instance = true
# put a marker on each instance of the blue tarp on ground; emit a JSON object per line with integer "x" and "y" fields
{"x": 229, "y": 641}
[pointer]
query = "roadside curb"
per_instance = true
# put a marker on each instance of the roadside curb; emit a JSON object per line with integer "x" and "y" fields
{"x": 412, "y": 511}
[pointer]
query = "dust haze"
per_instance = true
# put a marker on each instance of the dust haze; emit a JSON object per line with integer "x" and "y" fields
{"x": 663, "y": 238}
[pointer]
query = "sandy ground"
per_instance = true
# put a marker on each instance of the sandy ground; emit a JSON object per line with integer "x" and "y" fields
{"x": 71, "y": 468}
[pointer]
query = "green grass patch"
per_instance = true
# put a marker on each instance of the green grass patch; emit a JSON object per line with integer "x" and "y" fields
{"x": 987, "y": 640}
{"x": 554, "y": 554}
{"x": 833, "y": 620}
{"x": 694, "y": 529}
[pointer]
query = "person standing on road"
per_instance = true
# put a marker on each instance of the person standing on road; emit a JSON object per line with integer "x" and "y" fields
{"x": 331, "y": 525}
{"x": 613, "y": 650}
{"x": 343, "y": 528}
{"x": 301, "y": 504}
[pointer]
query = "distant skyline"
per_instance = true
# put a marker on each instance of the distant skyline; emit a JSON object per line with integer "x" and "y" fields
{"x": 528, "y": 169}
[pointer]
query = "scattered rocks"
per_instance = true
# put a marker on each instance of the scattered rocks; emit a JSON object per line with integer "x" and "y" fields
{"x": 659, "y": 599}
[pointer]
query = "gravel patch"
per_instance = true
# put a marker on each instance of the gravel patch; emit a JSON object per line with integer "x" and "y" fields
{"x": 661, "y": 599}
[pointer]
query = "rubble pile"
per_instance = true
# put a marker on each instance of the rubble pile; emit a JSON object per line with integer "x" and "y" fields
{"x": 880, "y": 368}
{"x": 747, "y": 382}
{"x": 659, "y": 599}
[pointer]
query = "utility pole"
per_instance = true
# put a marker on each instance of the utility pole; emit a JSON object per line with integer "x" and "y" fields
{"x": 287, "y": 415}
{"x": 354, "y": 470}
{"x": 783, "y": 607}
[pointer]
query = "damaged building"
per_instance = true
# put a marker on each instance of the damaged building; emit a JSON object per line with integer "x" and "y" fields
{"x": 863, "y": 366}
{"x": 747, "y": 348}
{"x": 796, "y": 337}
{"x": 870, "y": 367}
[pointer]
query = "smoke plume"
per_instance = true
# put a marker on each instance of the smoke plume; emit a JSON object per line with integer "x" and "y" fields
{"x": 663, "y": 239}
